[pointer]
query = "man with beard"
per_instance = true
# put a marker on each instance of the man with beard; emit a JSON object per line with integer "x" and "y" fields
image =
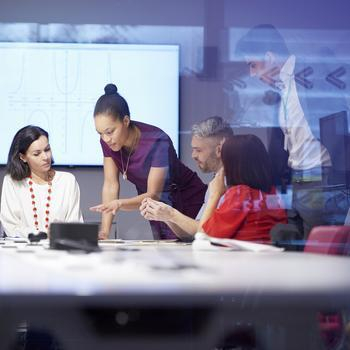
{"x": 207, "y": 139}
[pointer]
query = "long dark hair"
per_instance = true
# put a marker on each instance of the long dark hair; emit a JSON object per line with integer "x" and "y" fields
{"x": 24, "y": 137}
{"x": 246, "y": 162}
{"x": 112, "y": 104}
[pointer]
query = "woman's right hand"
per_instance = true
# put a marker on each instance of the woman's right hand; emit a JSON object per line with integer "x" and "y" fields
{"x": 111, "y": 207}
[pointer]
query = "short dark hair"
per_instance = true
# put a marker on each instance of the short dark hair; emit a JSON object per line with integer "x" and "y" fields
{"x": 246, "y": 162}
{"x": 259, "y": 40}
{"x": 112, "y": 104}
{"x": 24, "y": 137}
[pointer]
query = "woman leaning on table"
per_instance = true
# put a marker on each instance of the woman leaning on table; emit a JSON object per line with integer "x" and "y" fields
{"x": 250, "y": 206}
{"x": 144, "y": 155}
{"x": 34, "y": 194}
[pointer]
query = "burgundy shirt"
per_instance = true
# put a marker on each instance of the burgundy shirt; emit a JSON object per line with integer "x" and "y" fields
{"x": 182, "y": 189}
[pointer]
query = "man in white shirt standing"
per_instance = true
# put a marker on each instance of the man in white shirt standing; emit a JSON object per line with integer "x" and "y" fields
{"x": 269, "y": 60}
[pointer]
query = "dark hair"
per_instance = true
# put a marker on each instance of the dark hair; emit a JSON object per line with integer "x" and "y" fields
{"x": 112, "y": 104}
{"x": 246, "y": 162}
{"x": 24, "y": 137}
{"x": 259, "y": 40}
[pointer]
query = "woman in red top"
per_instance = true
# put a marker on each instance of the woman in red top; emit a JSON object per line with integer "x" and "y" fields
{"x": 250, "y": 207}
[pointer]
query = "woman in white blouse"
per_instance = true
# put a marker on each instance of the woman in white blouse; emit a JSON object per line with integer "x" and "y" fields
{"x": 34, "y": 194}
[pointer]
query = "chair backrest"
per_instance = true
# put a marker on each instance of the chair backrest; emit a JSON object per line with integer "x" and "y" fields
{"x": 329, "y": 240}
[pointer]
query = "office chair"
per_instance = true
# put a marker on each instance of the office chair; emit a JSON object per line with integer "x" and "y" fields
{"x": 334, "y": 240}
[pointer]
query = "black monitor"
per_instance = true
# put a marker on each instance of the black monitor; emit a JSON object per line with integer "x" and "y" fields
{"x": 73, "y": 235}
{"x": 334, "y": 136}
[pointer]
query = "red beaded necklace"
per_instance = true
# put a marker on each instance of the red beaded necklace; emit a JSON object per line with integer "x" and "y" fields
{"x": 47, "y": 205}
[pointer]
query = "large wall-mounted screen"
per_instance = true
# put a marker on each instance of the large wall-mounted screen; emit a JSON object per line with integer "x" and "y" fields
{"x": 56, "y": 85}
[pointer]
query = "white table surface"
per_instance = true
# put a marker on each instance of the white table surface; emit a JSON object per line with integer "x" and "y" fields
{"x": 145, "y": 267}
{"x": 244, "y": 284}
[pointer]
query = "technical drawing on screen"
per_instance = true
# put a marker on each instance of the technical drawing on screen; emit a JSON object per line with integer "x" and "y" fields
{"x": 55, "y": 86}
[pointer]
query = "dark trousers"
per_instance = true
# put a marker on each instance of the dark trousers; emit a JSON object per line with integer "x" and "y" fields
{"x": 314, "y": 203}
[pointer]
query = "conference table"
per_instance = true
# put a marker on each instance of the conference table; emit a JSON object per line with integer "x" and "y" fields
{"x": 168, "y": 295}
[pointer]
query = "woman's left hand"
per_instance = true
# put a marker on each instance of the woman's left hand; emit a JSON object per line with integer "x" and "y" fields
{"x": 111, "y": 207}
{"x": 217, "y": 185}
